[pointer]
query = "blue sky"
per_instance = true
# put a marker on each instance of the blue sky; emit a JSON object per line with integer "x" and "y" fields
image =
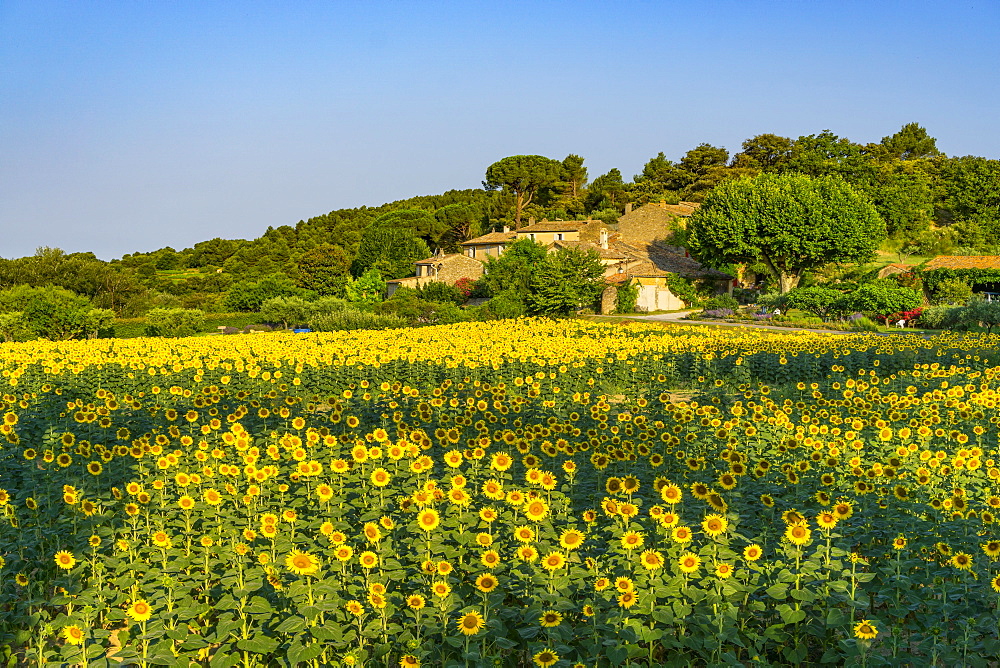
{"x": 129, "y": 126}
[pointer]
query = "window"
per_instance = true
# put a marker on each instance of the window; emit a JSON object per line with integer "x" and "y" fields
{"x": 531, "y": 235}
{"x": 559, "y": 236}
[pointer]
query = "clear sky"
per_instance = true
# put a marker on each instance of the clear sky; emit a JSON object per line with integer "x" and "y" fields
{"x": 132, "y": 125}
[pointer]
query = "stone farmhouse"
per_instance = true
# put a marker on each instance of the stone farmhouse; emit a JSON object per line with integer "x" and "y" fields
{"x": 632, "y": 252}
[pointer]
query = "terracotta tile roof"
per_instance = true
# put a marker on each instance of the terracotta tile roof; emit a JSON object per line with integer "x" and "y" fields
{"x": 662, "y": 263}
{"x": 555, "y": 226}
{"x": 609, "y": 253}
{"x": 491, "y": 238}
{"x": 963, "y": 262}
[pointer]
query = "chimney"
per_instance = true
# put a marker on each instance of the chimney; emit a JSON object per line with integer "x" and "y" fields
{"x": 604, "y": 239}
{"x": 628, "y": 208}
{"x": 663, "y": 204}
{"x": 531, "y": 221}
{"x": 506, "y": 229}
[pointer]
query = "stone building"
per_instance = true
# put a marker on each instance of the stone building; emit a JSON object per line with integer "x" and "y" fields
{"x": 652, "y": 222}
{"x": 445, "y": 268}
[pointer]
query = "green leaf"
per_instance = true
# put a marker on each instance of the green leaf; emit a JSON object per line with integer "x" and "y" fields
{"x": 259, "y": 644}
{"x": 835, "y": 617}
{"x": 778, "y": 591}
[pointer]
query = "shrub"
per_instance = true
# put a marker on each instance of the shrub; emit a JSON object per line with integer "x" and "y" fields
{"x": 862, "y": 324}
{"x": 939, "y": 317}
{"x": 289, "y": 311}
{"x": 727, "y": 302}
{"x": 251, "y": 295}
{"x": 174, "y": 322}
{"x": 880, "y": 298}
{"x": 418, "y": 311}
{"x": 627, "y": 296}
{"x": 718, "y": 313}
{"x": 507, "y": 304}
{"x": 952, "y": 291}
{"x": 439, "y": 291}
{"x": 351, "y": 319}
{"x": 817, "y": 300}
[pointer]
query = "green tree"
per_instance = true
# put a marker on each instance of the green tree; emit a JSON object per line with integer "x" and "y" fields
{"x": 789, "y": 222}
{"x": 54, "y": 313}
{"x": 14, "y": 327}
{"x": 566, "y": 280}
{"x": 817, "y": 300}
{"x": 324, "y": 269}
{"x": 911, "y": 142}
{"x": 461, "y": 223}
{"x": 881, "y": 298}
{"x": 289, "y": 311}
{"x": 250, "y": 295}
{"x": 766, "y": 152}
{"x": 607, "y": 192}
{"x": 391, "y": 251}
{"x": 174, "y": 322}
{"x": 523, "y": 176}
{"x": 420, "y": 222}
{"x": 512, "y": 270}
{"x": 369, "y": 288}
{"x": 981, "y": 312}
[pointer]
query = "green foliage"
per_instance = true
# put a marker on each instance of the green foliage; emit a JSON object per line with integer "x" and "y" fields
{"x": 863, "y": 324}
{"x": 391, "y": 251}
{"x": 790, "y": 222}
{"x": 683, "y": 289}
{"x": 566, "y": 280}
{"x": 324, "y": 270}
{"x": 512, "y": 270}
{"x": 817, "y": 300}
{"x": 54, "y": 313}
{"x": 940, "y": 317}
{"x": 461, "y": 223}
{"x": 981, "y": 312}
{"x": 504, "y": 305}
{"x": 933, "y": 278}
{"x": 439, "y": 291}
{"x": 952, "y": 291}
{"x": 251, "y": 295}
{"x": 909, "y": 143}
{"x": 352, "y": 318}
{"x": 720, "y": 302}
{"x": 523, "y": 176}
{"x": 14, "y": 327}
{"x": 418, "y": 311}
{"x": 369, "y": 288}
{"x": 626, "y": 297}
{"x": 174, "y": 322}
{"x": 881, "y": 298}
{"x": 289, "y": 311}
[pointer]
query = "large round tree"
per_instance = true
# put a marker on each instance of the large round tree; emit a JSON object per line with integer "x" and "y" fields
{"x": 789, "y": 222}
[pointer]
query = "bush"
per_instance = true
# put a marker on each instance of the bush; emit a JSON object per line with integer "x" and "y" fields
{"x": 289, "y": 311}
{"x": 862, "y": 324}
{"x": 439, "y": 291}
{"x": 174, "y": 322}
{"x": 746, "y": 295}
{"x": 718, "y": 313}
{"x": 817, "y": 300}
{"x": 418, "y": 311}
{"x": 727, "y": 302}
{"x": 980, "y": 312}
{"x": 250, "y": 296}
{"x": 939, "y": 317}
{"x": 507, "y": 304}
{"x": 880, "y": 298}
{"x": 627, "y": 296}
{"x": 952, "y": 291}
{"x": 54, "y": 313}
{"x": 351, "y": 319}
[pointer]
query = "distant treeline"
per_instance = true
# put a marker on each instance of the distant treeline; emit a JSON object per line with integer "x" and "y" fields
{"x": 932, "y": 204}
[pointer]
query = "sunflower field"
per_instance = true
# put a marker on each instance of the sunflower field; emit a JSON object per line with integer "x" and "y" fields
{"x": 520, "y": 493}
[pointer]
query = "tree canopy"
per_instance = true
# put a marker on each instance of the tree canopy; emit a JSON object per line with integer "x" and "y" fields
{"x": 522, "y": 175}
{"x": 789, "y": 222}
